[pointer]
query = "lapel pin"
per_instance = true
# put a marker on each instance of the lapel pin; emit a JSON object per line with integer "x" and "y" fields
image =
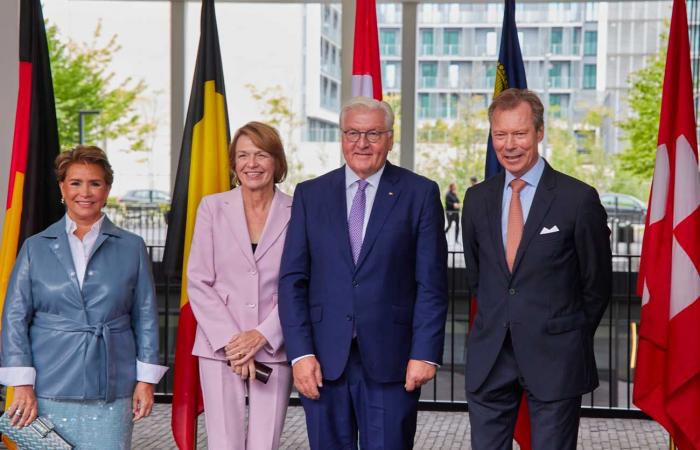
{"x": 391, "y": 193}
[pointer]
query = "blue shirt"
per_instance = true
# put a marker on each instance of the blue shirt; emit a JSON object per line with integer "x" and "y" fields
{"x": 531, "y": 179}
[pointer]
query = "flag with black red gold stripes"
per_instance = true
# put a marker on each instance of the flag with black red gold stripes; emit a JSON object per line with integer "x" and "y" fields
{"x": 203, "y": 169}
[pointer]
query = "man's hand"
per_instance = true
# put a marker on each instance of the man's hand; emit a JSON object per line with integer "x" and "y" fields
{"x": 418, "y": 373}
{"x": 308, "y": 377}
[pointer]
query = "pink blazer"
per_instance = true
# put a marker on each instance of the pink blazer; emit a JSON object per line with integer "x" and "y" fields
{"x": 230, "y": 289}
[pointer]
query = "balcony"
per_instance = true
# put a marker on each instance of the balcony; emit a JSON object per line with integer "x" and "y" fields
{"x": 451, "y": 50}
{"x": 427, "y": 82}
{"x": 559, "y": 82}
{"x": 565, "y": 49}
{"x": 390, "y": 50}
{"x": 332, "y": 70}
{"x": 427, "y": 50}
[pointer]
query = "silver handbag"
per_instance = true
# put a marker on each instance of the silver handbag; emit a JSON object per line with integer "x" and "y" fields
{"x": 38, "y": 435}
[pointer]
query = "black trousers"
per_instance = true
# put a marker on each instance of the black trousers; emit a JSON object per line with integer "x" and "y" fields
{"x": 493, "y": 410}
{"x": 453, "y": 216}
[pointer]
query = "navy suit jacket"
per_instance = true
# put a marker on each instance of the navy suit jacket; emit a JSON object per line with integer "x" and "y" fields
{"x": 557, "y": 294}
{"x": 396, "y": 295}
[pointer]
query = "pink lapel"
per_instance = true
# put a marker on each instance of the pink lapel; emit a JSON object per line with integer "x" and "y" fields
{"x": 277, "y": 220}
{"x": 232, "y": 208}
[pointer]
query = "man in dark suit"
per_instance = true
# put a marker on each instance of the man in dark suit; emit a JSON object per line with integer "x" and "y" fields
{"x": 537, "y": 250}
{"x": 363, "y": 290}
{"x": 452, "y": 206}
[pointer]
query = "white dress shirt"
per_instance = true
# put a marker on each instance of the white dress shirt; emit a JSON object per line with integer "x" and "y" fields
{"x": 527, "y": 194}
{"x": 81, "y": 251}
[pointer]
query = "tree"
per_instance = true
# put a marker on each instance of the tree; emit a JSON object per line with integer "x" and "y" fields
{"x": 642, "y": 126}
{"x": 454, "y": 152}
{"x": 580, "y": 153}
{"x": 82, "y": 81}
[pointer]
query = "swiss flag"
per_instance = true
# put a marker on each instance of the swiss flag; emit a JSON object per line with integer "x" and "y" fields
{"x": 667, "y": 378}
{"x": 366, "y": 72}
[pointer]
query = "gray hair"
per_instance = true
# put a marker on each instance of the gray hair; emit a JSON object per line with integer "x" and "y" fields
{"x": 369, "y": 104}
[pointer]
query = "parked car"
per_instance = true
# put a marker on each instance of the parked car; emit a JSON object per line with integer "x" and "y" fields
{"x": 624, "y": 207}
{"x": 145, "y": 197}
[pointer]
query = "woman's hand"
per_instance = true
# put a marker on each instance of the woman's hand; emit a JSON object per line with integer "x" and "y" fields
{"x": 24, "y": 408}
{"x": 242, "y": 347}
{"x": 142, "y": 402}
{"x": 247, "y": 370}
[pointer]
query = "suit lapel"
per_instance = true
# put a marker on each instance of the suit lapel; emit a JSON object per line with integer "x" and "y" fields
{"x": 387, "y": 194}
{"x": 494, "y": 207}
{"x": 234, "y": 212}
{"x": 277, "y": 220}
{"x": 108, "y": 229}
{"x": 544, "y": 195}
{"x": 338, "y": 213}
{"x": 61, "y": 248}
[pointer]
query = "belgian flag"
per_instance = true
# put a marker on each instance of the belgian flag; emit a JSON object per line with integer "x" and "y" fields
{"x": 203, "y": 169}
{"x": 33, "y": 197}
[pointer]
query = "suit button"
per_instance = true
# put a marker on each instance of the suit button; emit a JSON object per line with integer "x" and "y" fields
{"x": 511, "y": 291}
{"x": 355, "y": 283}
{"x": 251, "y": 305}
{"x": 506, "y": 324}
{"x": 348, "y": 318}
{"x": 252, "y": 271}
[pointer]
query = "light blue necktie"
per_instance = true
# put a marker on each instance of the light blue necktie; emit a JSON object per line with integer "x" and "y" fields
{"x": 356, "y": 220}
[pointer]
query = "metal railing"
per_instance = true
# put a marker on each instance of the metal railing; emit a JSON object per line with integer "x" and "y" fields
{"x": 615, "y": 339}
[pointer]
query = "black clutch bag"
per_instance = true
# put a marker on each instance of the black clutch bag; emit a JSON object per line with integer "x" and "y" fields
{"x": 262, "y": 371}
{"x": 38, "y": 435}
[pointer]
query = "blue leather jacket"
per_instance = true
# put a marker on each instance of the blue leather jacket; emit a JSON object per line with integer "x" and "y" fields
{"x": 83, "y": 343}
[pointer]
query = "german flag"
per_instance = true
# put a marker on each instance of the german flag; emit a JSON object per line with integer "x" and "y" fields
{"x": 33, "y": 197}
{"x": 203, "y": 169}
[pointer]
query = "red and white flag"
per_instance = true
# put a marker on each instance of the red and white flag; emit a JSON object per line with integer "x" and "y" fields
{"x": 366, "y": 71}
{"x": 667, "y": 378}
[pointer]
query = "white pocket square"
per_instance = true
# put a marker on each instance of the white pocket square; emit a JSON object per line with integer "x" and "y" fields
{"x": 546, "y": 230}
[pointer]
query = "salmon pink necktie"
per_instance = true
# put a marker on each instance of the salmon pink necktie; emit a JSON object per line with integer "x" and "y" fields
{"x": 514, "y": 232}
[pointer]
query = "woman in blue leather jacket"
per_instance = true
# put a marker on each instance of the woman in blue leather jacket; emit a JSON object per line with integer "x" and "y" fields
{"x": 79, "y": 325}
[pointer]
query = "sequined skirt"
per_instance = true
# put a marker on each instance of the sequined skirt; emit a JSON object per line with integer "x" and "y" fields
{"x": 91, "y": 424}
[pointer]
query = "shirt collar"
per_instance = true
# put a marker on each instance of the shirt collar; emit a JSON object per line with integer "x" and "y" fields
{"x": 532, "y": 176}
{"x": 373, "y": 180}
{"x": 72, "y": 226}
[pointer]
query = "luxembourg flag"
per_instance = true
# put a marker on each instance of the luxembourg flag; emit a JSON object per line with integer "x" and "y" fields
{"x": 366, "y": 72}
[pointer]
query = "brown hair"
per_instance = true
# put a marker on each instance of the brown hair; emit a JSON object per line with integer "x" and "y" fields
{"x": 85, "y": 154}
{"x": 512, "y": 98}
{"x": 266, "y": 138}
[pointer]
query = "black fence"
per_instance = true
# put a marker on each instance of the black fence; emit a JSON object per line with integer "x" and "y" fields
{"x": 615, "y": 339}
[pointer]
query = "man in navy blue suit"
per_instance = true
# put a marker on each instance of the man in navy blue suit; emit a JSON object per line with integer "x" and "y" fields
{"x": 537, "y": 251}
{"x": 363, "y": 290}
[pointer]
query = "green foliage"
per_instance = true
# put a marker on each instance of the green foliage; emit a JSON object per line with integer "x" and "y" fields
{"x": 449, "y": 153}
{"x": 278, "y": 111}
{"x": 642, "y": 126}
{"x": 82, "y": 81}
{"x": 581, "y": 153}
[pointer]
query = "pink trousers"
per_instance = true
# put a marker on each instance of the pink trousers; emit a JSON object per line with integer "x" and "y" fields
{"x": 225, "y": 406}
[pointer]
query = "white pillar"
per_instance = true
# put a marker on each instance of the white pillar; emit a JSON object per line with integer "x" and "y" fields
{"x": 9, "y": 62}
{"x": 177, "y": 83}
{"x": 408, "y": 85}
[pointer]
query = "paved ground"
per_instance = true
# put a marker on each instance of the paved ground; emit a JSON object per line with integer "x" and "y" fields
{"x": 436, "y": 430}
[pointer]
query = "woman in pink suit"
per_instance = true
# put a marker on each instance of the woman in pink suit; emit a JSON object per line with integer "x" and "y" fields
{"x": 232, "y": 278}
